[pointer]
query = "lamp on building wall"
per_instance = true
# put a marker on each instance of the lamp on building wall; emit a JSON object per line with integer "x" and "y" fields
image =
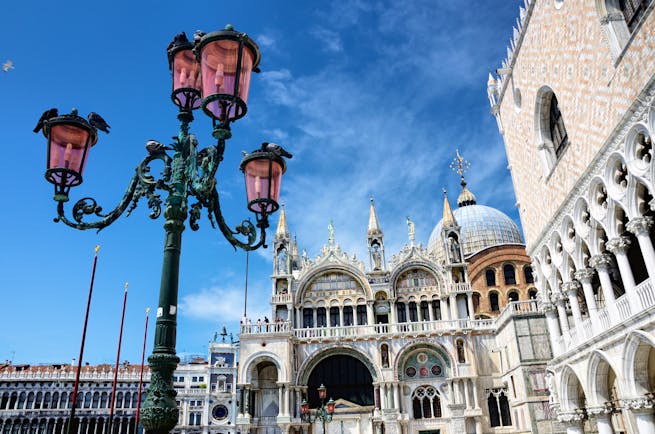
{"x": 213, "y": 73}
{"x": 324, "y": 413}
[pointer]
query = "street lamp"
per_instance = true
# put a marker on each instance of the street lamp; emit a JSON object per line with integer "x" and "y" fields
{"x": 212, "y": 73}
{"x": 323, "y": 413}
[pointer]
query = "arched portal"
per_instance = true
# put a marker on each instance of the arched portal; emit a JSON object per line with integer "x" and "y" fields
{"x": 345, "y": 378}
{"x": 265, "y": 399}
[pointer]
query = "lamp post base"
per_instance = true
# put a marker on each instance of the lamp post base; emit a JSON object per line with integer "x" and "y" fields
{"x": 159, "y": 413}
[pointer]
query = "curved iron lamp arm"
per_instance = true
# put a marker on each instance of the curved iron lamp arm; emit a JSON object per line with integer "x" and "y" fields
{"x": 142, "y": 184}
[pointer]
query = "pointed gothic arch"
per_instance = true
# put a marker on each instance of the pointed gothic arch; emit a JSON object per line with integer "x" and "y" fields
{"x": 638, "y": 363}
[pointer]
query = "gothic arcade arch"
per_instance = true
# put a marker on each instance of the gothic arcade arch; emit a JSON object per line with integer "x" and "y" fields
{"x": 638, "y": 363}
{"x": 573, "y": 395}
{"x": 248, "y": 370}
{"x": 602, "y": 375}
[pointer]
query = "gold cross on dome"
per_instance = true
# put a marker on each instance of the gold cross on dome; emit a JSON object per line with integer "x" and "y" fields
{"x": 459, "y": 164}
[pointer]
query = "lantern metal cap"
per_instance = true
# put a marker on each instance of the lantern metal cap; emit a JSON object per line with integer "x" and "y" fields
{"x": 180, "y": 42}
{"x": 230, "y": 33}
{"x": 259, "y": 154}
{"x": 72, "y": 118}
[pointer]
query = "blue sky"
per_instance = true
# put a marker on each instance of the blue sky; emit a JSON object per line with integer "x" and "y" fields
{"x": 372, "y": 98}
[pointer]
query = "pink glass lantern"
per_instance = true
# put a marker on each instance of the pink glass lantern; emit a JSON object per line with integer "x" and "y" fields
{"x": 227, "y": 60}
{"x": 330, "y": 406}
{"x": 263, "y": 173}
{"x": 322, "y": 392}
{"x": 304, "y": 407}
{"x": 186, "y": 74}
{"x": 69, "y": 140}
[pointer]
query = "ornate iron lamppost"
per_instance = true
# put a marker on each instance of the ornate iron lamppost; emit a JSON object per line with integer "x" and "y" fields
{"x": 323, "y": 413}
{"x": 212, "y": 73}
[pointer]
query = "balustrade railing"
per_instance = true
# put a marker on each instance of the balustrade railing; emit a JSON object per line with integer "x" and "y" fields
{"x": 281, "y": 298}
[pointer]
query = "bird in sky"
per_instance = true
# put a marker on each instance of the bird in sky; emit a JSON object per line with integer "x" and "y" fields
{"x": 154, "y": 147}
{"x": 9, "y": 64}
{"x": 275, "y": 149}
{"x": 98, "y": 122}
{"x": 48, "y": 114}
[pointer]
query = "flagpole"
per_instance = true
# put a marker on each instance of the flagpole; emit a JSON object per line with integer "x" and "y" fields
{"x": 143, "y": 356}
{"x": 79, "y": 361}
{"x": 118, "y": 356}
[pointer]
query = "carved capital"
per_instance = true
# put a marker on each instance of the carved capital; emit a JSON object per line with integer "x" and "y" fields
{"x": 571, "y": 286}
{"x": 604, "y": 409}
{"x": 547, "y": 306}
{"x": 641, "y": 403}
{"x": 640, "y": 225}
{"x": 558, "y": 298}
{"x": 601, "y": 262}
{"x": 572, "y": 417}
{"x": 618, "y": 245}
{"x": 585, "y": 275}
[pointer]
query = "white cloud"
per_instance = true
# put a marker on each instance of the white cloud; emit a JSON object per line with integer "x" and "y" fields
{"x": 221, "y": 302}
{"x": 265, "y": 41}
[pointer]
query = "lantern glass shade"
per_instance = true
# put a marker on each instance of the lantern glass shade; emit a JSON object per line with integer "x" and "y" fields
{"x": 304, "y": 407}
{"x": 322, "y": 392}
{"x": 330, "y": 406}
{"x": 263, "y": 175}
{"x": 68, "y": 144}
{"x": 186, "y": 80}
{"x": 224, "y": 85}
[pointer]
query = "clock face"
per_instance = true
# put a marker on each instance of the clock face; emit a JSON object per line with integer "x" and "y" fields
{"x": 219, "y": 412}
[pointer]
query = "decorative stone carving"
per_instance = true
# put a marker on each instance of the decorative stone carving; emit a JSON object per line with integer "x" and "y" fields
{"x": 572, "y": 285}
{"x": 640, "y": 225}
{"x": 575, "y": 416}
{"x": 639, "y": 403}
{"x": 585, "y": 275}
{"x": 618, "y": 245}
{"x": 604, "y": 409}
{"x": 601, "y": 262}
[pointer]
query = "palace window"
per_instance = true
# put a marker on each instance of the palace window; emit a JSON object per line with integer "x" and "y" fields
{"x": 413, "y": 313}
{"x": 513, "y": 296}
{"x": 436, "y": 310}
{"x": 509, "y": 274}
{"x": 334, "y": 316}
{"x": 557, "y": 130}
{"x": 491, "y": 277}
{"x": 402, "y": 313}
{"x": 308, "y": 318}
{"x": 633, "y": 11}
{"x": 426, "y": 403}
{"x": 499, "y": 412}
{"x": 527, "y": 273}
{"x": 320, "y": 317}
{"x": 493, "y": 301}
{"x": 361, "y": 315}
{"x": 425, "y": 314}
{"x": 348, "y": 315}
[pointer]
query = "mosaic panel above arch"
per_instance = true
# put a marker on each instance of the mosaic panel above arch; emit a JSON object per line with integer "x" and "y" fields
{"x": 424, "y": 362}
{"x": 333, "y": 284}
{"x": 414, "y": 280}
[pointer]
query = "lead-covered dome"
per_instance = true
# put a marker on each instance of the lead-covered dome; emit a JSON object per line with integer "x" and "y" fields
{"x": 481, "y": 227}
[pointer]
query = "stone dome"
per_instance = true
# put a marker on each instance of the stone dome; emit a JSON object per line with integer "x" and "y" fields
{"x": 481, "y": 227}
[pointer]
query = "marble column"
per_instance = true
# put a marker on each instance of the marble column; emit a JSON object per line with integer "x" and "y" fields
{"x": 602, "y": 263}
{"x": 640, "y": 227}
{"x": 553, "y": 326}
{"x": 602, "y": 414}
{"x": 370, "y": 315}
{"x": 573, "y": 421}
{"x": 559, "y": 300}
{"x": 396, "y": 396}
{"x": 469, "y": 299}
{"x": 452, "y": 301}
{"x": 571, "y": 291}
{"x": 444, "y": 310}
{"x": 619, "y": 246}
{"x": 584, "y": 276}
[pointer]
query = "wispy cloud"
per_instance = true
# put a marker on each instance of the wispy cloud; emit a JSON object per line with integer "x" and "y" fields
{"x": 214, "y": 302}
{"x": 329, "y": 39}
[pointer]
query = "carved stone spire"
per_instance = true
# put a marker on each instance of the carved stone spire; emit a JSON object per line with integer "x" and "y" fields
{"x": 373, "y": 224}
{"x": 282, "y": 231}
{"x": 448, "y": 216}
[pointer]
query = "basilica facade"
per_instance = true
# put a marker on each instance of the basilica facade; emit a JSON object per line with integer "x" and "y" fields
{"x": 575, "y": 98}
{"x": 442, "y": 339}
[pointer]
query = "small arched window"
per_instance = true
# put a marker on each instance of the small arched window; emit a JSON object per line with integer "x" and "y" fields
{"x": 532, "y": 293}
{"x": 320, "y": 317}
{"x": 413, "y": 312}
{"x": 513, "y": 296}
{"x": 436, "y": 310}
{"x": 499, "y": 412}
{"x": 361, "y": 315}
{"x": 461, "y": 354}
{"x": 493, "y": 301}
{"x": 476, "y": 302}
{"x": 509, "y": 274}
{"x": 425, "y": 311}
{"x": 527, "y": 273}
{"x": 334, "y": 316}
{"x": 402, "y": 313}
{"x": 426, "y": 403}
{"x": 308, "y": 317}
{"x": 490, "y": 274}
{"x": 348, "y": 315}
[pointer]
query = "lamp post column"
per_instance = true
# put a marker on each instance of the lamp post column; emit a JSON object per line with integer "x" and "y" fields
{"x": 159, "y": 413}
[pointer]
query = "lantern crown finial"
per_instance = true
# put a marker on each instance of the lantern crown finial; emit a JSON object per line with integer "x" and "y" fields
{"x": 229, "y": 27}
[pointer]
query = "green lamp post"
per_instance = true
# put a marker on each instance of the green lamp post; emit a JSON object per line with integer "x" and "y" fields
{"x": 213, "y": 73}
{"x": 324, "y": 413}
